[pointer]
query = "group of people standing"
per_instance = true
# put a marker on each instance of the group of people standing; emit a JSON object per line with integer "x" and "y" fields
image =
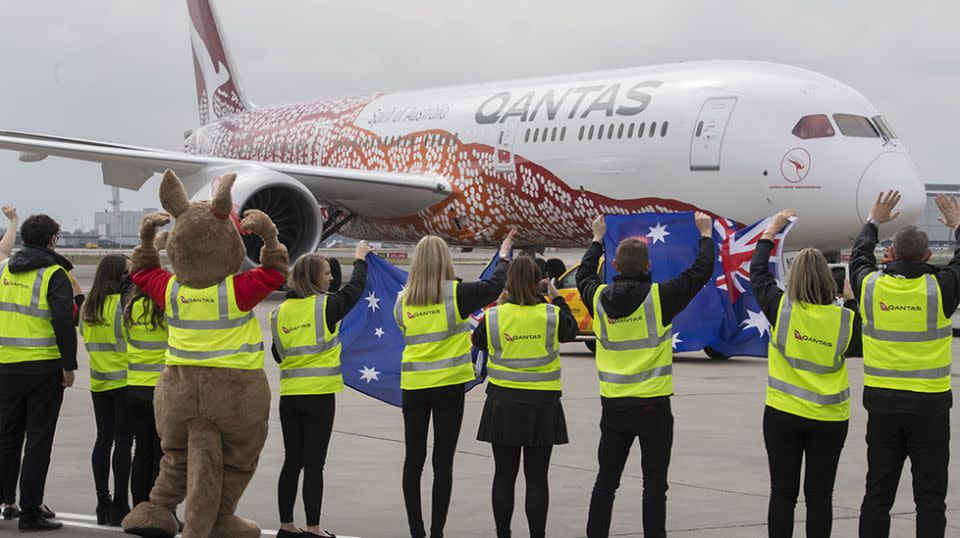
{"x": 904, "y": 311}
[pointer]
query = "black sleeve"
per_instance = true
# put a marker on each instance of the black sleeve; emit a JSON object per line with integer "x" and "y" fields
{"x": 677, "y": 293}
{"x": 862, "y": 260}
{"x": 855, "y": 349}
{"x": 949, "y": 280}
{"x": 276, "y": 355}
{"x": 765, "y": 288}
{"x": 588, "y": 279}
{"x": 63, "y": 318}
{"x": 340, "y": 303}
{"x": 479, "y": 336}
{"x": 569, "y": 329}
{"x": 78, "y": 300}
{"x": 472, "y": 296}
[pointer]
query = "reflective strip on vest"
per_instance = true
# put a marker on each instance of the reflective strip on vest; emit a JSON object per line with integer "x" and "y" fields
{"x": 30, "y": 337}
{"x": 420, "y": 366}
{"x": 204, "y": 355}
{"x": 809, "y": 395}
{"x": 652, "y": 340}
{"x": 453, "y": 328}
{"x": 523, "y": 377}
{"x": 801, "y": 364}
{"x": 320, "y": 320}
{"x": 147, "y": 345}
{"x": 933, "y": 307}
{"x": 34, "y": 309}
{"x": 145, "y": 367}
{"x": 624, "y": 379}
{"x": 119, "y": 345}
{"x": 28, "y": 342}
{"x": 309, "y": 372}
{"x": 493, "y": 318}
{"x": 108, "y": 376}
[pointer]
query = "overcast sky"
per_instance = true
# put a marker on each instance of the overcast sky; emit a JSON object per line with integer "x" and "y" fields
{"x": 120, "y": 71}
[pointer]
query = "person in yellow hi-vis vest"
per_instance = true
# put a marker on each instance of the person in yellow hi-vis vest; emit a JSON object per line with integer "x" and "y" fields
{"x": 145, "y": 330}
{"x": 907, "y": 360}
{"x": 433, "y": 313}
{"x": 306, "y": 345}
{"x": 101, "y": 325}
{"x": 632, "y": 320}
{"x": 521, "y": 337}
{"x": 808, "y": 393}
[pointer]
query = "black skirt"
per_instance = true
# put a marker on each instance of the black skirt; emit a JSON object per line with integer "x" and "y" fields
{"x": 513, "y": 417}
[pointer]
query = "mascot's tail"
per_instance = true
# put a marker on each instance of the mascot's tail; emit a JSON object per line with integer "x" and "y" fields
{"x": 218, "y": 91}
{"x": 204, "y": 477}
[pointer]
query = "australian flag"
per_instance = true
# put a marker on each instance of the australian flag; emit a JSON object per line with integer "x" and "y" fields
{"x": 724, "y": 315}
{"x": 372, "y": 342}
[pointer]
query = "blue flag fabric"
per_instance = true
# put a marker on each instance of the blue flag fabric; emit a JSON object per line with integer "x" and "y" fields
{"x": 724, "y": 315}
{"x": 372, "y": 342}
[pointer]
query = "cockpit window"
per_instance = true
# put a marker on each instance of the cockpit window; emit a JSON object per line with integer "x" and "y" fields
{"x": 815, "y": 126}
{"x": 857, "y": 126}
{"x": 884, "y": 127}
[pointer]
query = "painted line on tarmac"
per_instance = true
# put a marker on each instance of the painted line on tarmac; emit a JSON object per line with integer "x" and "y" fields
{"x": 81, "y": 521}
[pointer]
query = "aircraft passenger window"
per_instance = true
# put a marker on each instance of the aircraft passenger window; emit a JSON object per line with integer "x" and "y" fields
{"x": 630, "y": 130}
{"x": 553, "y": 135}
{"x": 610, "y": 132}
{"x": 590, "y": 133}
{"x": 580, "y": 135}
{"x": 699, "y": 129}
{"x": 641, "y": 130}
{"x": 620, "y": 132}
{"x": 600, "y": 132}
{"x": 653, "y": 129}
{"x": 815, "y": 126}
{"x": 536, "y": 134}
{"x": 884, "y": 127}
{"x": 526, "y": 136}
{"x": 663, "y": 128}
{"x": 857, "y": 126}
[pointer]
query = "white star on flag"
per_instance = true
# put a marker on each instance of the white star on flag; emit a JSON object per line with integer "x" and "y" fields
{"x": 379, "y": 332}
{"x": 369, "y": 374}
{"x": 756, "y": 320}
{"x": 676, "y": 340}
{"x": 373, "y": 302}
{"x": 658, "y": 233}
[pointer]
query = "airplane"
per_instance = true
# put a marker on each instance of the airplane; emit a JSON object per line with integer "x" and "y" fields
{"x": 738, "y": 139}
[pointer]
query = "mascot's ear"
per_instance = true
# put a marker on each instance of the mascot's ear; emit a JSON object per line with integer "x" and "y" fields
{"x": 172, "y": 196}
{"x": 222, "y": 202}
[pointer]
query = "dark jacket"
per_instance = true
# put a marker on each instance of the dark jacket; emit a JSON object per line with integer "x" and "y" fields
{"x": 63, "y": 310}
{"x": 339, "y": 303}
{"x": 862, "y": 263}
{"x": 472, "y": 296}
{"x": 629, "y": 290}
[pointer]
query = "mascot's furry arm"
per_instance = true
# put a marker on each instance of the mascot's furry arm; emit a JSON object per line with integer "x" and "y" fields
{"x": 145, "y": 262}
{"x": 255, "y": 285}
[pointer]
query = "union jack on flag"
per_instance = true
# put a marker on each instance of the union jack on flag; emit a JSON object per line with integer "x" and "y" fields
{"x": 736, "y": 250}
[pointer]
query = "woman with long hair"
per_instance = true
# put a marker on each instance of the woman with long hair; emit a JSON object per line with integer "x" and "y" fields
{"x": 145, "y": 331}
{"x": 808, "y": 395}
{"x": 522, "y": 336}
{"x": 101, "y": 324}
{"x": 306, "y": 344}
{"x": 433, "y": 314}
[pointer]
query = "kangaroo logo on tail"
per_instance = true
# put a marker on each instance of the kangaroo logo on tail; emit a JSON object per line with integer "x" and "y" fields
{"x": 218, "y": 92}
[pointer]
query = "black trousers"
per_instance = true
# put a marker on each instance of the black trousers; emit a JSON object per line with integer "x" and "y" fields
{"x": 789, "y": 440}
{"x": 445, "y": 404}
{"x": 652, "y": 425}
{"x": 113, "y": 436}
{"x": 536, "y": 464}
{"x": 29, "y": 408}
{"x": 307, "y": 422}
{"x": 147, "y": 453}
{"x": 9, "y": 486}
{"x": 890, "y": 440}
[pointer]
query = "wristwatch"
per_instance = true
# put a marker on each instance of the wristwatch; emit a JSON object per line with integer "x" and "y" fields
{"x": 872, "y": 220}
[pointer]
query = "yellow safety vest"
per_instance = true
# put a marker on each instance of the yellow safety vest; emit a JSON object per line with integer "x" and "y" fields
{"x": 206, "y": 328}
{"x": 309, "y": 351}
{"x": 26, "y": 333}
{"x": 906, "y": 336}
{"x": 634, "y": 353}
{"x": 807, "y": 371}
{"x": 106, "y": 346}
{"x": 524, "y": 346}
{"x": 146, "y": 348}
{"x": 437, "y": 351}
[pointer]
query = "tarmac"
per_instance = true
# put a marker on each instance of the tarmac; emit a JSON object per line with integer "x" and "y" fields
{"x": 719, "y": 481}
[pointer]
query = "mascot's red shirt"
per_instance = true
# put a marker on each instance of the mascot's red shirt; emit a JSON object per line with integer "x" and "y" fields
{"x": 249, "y": 287}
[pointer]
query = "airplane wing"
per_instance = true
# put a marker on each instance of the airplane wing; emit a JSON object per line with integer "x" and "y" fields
{"x": 363, "y": 192}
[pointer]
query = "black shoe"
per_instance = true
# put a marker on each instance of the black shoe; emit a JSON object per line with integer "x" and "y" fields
{"x": 289, "y": 534}
{"x": 103, "y": 510}
{"x": 11, "y": 512}
{"x": 46, "y": 512}
{"x": 39, "y": 524}
{"x": 118, "y": 511}
{"x": 329, "y": 534}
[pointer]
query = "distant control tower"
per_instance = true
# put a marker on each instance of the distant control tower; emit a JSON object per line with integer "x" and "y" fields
{"x": 117, "y": 227}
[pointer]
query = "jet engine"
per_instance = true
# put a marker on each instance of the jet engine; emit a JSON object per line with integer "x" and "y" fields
{"x": 290, "y": 205}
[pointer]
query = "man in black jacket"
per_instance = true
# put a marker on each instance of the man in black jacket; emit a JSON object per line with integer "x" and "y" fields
{"x": 31, "y": 391}
{"x": 906, "y": 423}
{"x": 628, "y": 418}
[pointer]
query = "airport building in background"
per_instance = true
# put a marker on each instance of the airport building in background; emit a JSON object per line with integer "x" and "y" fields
{"x": 121, "y": 228}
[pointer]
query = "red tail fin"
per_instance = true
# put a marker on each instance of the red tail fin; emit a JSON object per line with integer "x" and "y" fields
{"x": 218, "y": 91}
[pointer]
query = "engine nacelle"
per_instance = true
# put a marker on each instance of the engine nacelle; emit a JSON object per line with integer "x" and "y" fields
{"x": 290, "y": 205}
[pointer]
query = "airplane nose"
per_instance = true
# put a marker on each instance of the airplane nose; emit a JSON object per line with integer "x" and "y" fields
{"x": 892, "y": 171}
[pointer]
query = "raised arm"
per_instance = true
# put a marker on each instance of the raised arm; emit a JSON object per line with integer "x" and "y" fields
{"x": 862, "y": 260}
{"x": 949, "y": 276}
{"x": 588, "y": 279}
{"x": 341, "y": 302}
{"x": 10, "y": 235}
{"x": 472, "y": 296}
{"x": 677, "y": 293}
{"x": 764, "y": 285}
{"x": 253, "y": 286}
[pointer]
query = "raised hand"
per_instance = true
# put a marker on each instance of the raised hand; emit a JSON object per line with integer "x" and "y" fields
{"x": 10, "y": 212}
{"x": 599, "y": 227}
{"x": 507, "y": 246}
{"x": 847, "y": 290}
{"x": 883, "y": 207}
{"x": 779, "y": 222}
{"x": 363, "y": 248}
{"x": 949, "y": 210}
{"x": 259, "y": 223}
{"x": 160, "y": 240}
{"x": 704, "y": 223}
{"x": 551, "y": 288}
{"x": 149, "y": 225}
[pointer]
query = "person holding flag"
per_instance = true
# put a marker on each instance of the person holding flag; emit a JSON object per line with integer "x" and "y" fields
{"x": 808, "y": 393}
{"x": 522, "y": 336}
{"x": 306, "y": 345}
{"x": 433, "y": 314}
{"x": 632, "y": 318}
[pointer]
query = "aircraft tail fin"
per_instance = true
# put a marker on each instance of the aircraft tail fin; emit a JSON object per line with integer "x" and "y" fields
{"x": 218, "y": 90}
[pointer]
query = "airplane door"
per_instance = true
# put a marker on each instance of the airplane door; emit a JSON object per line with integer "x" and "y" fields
{"x": 708, "y": 131}
{"x": 503, "y": 155}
